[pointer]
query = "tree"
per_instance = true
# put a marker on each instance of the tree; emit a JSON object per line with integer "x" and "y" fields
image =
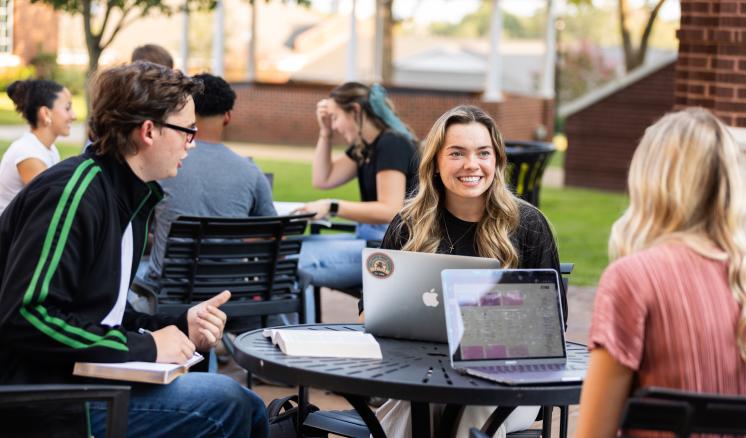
{"x": 633, "y": 56}
{"x": 104, "y": 19}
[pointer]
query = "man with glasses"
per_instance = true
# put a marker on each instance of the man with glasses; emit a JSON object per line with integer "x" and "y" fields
{"x": 214, "y": 181}
{"x": 69, "y": 246}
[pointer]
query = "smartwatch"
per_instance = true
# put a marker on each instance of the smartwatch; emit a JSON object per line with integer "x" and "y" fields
{"x": 333, "y": 208}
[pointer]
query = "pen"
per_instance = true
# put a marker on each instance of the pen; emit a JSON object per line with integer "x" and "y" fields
{"x": 142, "y": 331}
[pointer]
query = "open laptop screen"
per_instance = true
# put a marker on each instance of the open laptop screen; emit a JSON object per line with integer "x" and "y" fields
{"x": 503, "y": 315}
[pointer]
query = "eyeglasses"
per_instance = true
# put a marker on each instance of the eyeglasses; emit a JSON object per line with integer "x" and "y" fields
{"x": 190, "y": 132}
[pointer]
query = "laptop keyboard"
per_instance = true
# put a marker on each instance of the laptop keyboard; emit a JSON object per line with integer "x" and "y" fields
{"x": 527, "y": 368}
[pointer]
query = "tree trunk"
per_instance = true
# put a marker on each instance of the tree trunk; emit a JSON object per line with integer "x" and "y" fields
{"x": 92, "y": 42}
{"x": 387, "y": 60}
{"x": 635, "y": 57}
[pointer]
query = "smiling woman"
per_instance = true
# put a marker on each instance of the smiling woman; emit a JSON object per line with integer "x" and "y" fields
{"x": 47, "y": 107}
{"x": 463, "y": 207}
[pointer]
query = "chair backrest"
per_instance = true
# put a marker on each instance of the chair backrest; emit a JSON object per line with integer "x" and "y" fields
{"x": 526, "y": 163}
{"x": 684, "y": 413}
{"x": 255, "y": 258}
{"x": 40, "y": 396}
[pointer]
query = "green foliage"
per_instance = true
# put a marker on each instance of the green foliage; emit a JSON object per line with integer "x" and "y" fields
{"x": 477, "y": 25}
{"x": 582, "y": 69}
{"x": 8, "y": 75}
{"x": 45, "y": 64}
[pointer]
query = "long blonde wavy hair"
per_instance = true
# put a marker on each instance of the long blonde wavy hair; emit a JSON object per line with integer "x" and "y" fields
{"x": 501, "y": 214}
{"x": 686, "y": 184}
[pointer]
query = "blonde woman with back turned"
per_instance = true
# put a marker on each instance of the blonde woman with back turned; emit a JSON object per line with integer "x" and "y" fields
{"x": 669, "y": 310}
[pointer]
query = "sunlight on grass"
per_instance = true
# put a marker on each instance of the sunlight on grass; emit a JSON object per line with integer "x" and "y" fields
{"x": 581, "y": 218}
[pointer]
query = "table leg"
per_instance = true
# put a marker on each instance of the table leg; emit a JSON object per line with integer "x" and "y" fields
{"x": 564, "y": 418}
{"x": 546, "y": 421}
{"x": 497, "y": 418}
{"x": 420, "y": 419}
{"x": 302, "y": 406}
{"x": 360, "y": 405}
{"x": 449, "y": 421}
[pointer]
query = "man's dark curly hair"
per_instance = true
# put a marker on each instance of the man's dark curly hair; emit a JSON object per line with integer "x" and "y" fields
{"x": 217, "y": 97}
{"x": 124, "y": 97}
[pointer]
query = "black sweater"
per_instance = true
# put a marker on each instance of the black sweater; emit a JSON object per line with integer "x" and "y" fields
{"x": 60, "y": 267}
{"x": 532, "y": 240}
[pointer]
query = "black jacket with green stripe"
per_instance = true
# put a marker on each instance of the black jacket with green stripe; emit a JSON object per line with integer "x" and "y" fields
{"x": 60, "y": 267}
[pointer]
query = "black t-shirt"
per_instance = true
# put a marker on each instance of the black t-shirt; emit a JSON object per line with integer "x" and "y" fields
{"x": 389, "y": 151}
{"x": 532, "y": 240}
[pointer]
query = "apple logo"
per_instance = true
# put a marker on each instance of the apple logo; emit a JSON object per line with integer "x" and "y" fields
{"x": 430, "y": 298}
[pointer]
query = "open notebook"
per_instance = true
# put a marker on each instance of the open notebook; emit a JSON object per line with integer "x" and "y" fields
{"x": 147, "y": 372}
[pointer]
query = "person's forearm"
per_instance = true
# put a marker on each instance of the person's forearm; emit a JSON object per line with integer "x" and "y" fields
{"x": 322, "y": 161}
{"x": 374, "y": 212}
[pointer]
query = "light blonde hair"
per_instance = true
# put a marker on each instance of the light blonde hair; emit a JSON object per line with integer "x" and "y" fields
{"x": 501, "y": 210}
{"x": 685, "y": 183}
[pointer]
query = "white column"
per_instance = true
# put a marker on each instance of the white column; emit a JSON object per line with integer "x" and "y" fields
{"x": 217, "y": 40}
{"x": 352, "y": 45}
{"x": 184, "y": 49}
{"x": 251, "y": 61}
{"x": 550, "y": 54}
{"x": 378, "y": 45}
{"x": 493, "y": 86}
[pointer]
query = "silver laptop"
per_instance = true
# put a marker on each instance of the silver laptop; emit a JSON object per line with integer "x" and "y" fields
{"x": 402, "y": 292}
{"x": 506, "y": 325}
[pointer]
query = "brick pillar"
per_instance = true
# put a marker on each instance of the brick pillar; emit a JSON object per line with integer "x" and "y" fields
{"x": 711, "y": 67}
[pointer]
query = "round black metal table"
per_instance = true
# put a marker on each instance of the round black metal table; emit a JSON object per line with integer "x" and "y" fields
{"x": 419, "y": 372}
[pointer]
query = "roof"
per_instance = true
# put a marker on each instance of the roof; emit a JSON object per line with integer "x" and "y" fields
{"x": 594, "y": 96}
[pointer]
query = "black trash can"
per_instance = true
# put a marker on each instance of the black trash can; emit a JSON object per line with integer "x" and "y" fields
{"x": 526, "y": 163}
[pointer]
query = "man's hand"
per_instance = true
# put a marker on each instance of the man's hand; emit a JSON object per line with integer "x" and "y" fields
{"x": 206, "y": 321}
{"x": 172, "y": 345}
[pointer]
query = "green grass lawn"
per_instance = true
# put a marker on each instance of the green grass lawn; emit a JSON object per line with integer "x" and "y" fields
{"x": 581, "y": 218}
{"x": 9, "y": 116}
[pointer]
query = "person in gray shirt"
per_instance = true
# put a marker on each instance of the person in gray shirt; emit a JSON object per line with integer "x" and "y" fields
{"x": 213, "y": 180}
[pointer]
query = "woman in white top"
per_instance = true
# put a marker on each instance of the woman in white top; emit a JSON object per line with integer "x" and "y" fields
{"x": 47, "y": 107}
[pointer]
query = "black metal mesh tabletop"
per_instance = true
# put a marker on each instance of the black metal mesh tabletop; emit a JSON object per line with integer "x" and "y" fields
{"x": 409, "y": 370}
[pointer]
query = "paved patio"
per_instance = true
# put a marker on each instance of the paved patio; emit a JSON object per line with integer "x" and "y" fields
{"x": 338, "y": 307}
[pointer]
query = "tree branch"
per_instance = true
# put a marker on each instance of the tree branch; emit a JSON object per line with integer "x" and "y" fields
{"x": 648, "y": 30}
{"x": 123, "y": 22}
{"x": 626, "y": 39}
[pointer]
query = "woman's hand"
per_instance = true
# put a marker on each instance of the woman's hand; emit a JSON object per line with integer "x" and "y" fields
{"x": 320, "y": 207}
{"x": 324, "y": 117}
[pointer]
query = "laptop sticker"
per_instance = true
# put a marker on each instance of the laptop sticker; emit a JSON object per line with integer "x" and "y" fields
{"x": 379, "y": 265}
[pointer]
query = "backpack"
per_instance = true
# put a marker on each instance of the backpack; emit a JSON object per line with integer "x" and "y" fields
{"x": 283, "y": 415}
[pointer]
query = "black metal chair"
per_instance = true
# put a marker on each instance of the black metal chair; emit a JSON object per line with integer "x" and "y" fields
{"x": 255, "y": 258}
{"x": 527, "y": 161}
{"x": 684, "y": 413}
{"x": 348, "y": 227}
{"x": 52, "y": 396}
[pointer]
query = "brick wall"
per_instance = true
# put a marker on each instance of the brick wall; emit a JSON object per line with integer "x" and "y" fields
{"x": 35, "y": 28}
{"x": 285, "y": 114}
{"x": 711, "y": 70}
{"x": 603, "y": 137}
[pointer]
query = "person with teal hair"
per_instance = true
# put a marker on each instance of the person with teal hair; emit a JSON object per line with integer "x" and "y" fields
{"x": 382, "y": 154}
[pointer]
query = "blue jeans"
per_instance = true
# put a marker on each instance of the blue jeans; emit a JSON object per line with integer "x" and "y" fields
{"x": 193, "y": 405}
{"x": 334, "y": 260}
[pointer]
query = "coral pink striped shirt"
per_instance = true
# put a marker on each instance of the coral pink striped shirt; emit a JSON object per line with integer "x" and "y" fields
{"x": 668, "y": 313}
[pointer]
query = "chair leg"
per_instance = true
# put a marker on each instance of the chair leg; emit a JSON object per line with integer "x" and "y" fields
{"x": 317, "y": 303}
